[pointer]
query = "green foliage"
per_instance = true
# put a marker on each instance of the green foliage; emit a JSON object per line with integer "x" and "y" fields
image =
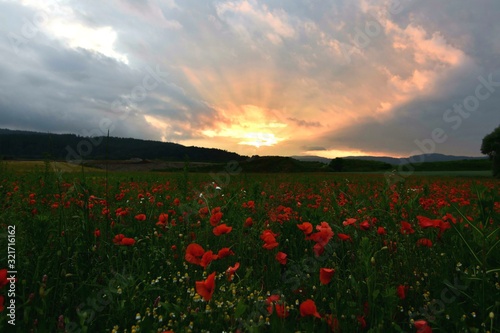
{"x": 491, "y": 147}
{"x": 66, "y": 269}
{"x": 70, "y": 147}
{"x": 354, "y": 165}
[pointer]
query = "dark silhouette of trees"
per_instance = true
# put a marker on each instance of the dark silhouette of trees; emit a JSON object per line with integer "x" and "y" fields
{"x": 491, "y": 147}
{"x": 70, "y": 147}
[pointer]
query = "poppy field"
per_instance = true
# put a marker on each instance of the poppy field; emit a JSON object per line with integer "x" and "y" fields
{"x": 236, "y": 252}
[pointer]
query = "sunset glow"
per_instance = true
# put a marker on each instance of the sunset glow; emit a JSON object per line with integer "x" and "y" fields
{"x": 279, "y": 78}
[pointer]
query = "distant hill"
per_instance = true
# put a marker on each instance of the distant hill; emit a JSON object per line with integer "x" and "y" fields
{"x": 35, "y": 145}
{"x": 308, "y": 158}
{"x": 394, "y": 160}
{"x": 414, "y": 159}
{"x": 353, "y": 165}
{"x": 425, "y": 162}
{"x": 272, "y": 164}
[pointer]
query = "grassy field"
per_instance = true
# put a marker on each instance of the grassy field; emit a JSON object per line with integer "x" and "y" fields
{"x": 236, "y": 252}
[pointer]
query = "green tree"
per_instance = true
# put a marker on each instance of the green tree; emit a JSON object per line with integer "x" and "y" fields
{"x": 337, "y": 164}
{"x": 491, "y": 147}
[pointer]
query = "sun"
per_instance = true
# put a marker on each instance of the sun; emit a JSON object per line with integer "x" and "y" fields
{"x": 259, "y": 139}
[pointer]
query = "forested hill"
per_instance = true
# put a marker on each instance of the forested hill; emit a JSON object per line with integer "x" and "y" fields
{"x": 35, "y": 145}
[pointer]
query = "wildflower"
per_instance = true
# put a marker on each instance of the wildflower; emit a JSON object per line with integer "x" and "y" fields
{"x": 406, "y": 228}
{"x": 162, "y": 220}
{"x": 281, "y": 258}
{"x": 306, "y": 228}
{"x": 269, "y": 239}
{"x": 231, "y": 271}
{"x": 349, "y": 222}
{"x": 308, "y": 308}
{"x": 424, "y": 242}
{"x": 365, "y": 225}
{"x": 381, "y": 231}
{"x": 127, "y": 241}
{"x": 140, "y": 217}
{"x": 216, "y": 216}
{"x": 222, "y": 229}
{"x": 361, "y": 321}
{"x": 3, "y": 278}
{"x": 281, "y": 310}
{"x": 207, "y": 258}
{"x": 344, "y": 237}
{"x": 248, "y": 222}
{"x": 224, "y": 252}
{"x": 206, "y": 288}
{"x": 120, "y": 239}
{"x": 401, "y": 291}
{"x": 425, "y": 222}
{"x": 422, "y": 326}
{"x": 333, "y": 322}
{"x": 325, "y": 275}
{"x": 194, "y": 252}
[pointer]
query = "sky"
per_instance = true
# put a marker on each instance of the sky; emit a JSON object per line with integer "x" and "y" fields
{"x": 305, "y": 77}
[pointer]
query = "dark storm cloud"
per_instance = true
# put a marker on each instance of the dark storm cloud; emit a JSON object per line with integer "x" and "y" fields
{"x": 351, "y": 75}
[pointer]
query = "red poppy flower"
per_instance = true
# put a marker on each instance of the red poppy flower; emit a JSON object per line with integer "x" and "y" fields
{"x": 127, "y": 241}
{"x": 308, "y": 308}
{"x": 231, "y": 271}
{"x": 425, "y": 222}
{"x": 422, "y": 326}
{"x": 449, "y": 217}
{"x": 424, "y": 242}
{"x": 207, "y": 258}
{"x": 269, "y": 239}
{"x": 97, "y": 233}
{"x": 194, "y": 252}
{"x": 3, "y": 278}
{"x": 365, "y": 225}
{"x": 118, "y": 239}
{"x": 349, "y": 222}
{"x": 344, "y": 237}
{"x": 216, "y": 216}
{"x": 248, "y": 222}
{"x": 140, "y": 217}
{"x": 318, "y": 249}
{"x": 281, "y": 310}
{"x": 401, "y": 291}
{"x": 381, "y": 231}
{"x": 333, "y": 322}
{"x": 162, "y": 220}
{"x": 406, "y": 228}
{"x": 281, "y": 257}
{"x": 224, "y": 252}
{"x": 203, "y": 211}
{"x": 325, "y": 275}
{"x": 206, "y": 288}
{"x": 272, "y": 298}
{"x": 361, "y": 321}
{"x": 306, "y": 228}
{"x": 442, "y": 227}
{"x": 222, "y": 229}
{"x": 323, "y": 235}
